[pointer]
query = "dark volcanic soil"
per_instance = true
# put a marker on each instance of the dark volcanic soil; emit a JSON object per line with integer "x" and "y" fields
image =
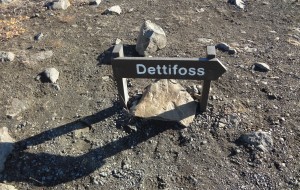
{"x": 79, "y": 137}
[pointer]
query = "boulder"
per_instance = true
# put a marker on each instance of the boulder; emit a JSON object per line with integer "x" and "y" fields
{"x": 151, "y": 38}
{"x": 166, "y": 100}
{"x": 6, "y": 146}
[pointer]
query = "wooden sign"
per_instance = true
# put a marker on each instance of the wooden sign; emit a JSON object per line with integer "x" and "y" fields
{"x": 206, "y": 69}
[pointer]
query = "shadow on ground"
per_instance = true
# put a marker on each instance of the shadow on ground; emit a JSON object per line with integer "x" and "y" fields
{"x": 43, "y": 169}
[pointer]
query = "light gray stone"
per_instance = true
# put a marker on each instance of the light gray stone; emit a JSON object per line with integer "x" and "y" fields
{"x": 263, "y": 67}
{"x": 259, "y": 139}
{"x": 42, "y": 55}
{"x": 114, "y": 10}
{"x": 50, "y": 75}
{"x": 6, "y": 56}
{"x": 239, "y": 3}
{"x": 16, "y": 107}
{"x": 151, "y": 38}
{"x": 166, "y": 100}
{"x": 61, "y": 4}
{"x": 6, "y": 146}
{"x": 205, "y": 41}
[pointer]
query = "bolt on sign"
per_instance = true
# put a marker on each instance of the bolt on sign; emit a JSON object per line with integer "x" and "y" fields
{"x": 206, "y": 69}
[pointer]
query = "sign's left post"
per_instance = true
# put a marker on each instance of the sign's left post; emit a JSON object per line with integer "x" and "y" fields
{"x": 121, "y": 82}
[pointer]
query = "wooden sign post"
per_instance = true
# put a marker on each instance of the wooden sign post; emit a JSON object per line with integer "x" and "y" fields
{"x": 206, "y": 69}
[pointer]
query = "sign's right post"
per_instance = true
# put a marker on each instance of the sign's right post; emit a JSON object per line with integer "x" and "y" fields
{"x": 210, "y": 54}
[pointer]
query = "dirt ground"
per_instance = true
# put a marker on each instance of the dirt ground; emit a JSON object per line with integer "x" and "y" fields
{"x": 80, "y": 137}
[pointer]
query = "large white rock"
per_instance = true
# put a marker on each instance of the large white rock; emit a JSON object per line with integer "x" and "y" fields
{"x": 151, "y": 38}
{"x": 61, "y": 4}
{"x": 50, "y": 75}
{"x": 166, "y": 100}
{"x": 6, "y": 146}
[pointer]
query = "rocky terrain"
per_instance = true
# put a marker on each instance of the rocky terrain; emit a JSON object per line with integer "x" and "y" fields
{"x": 61, "y": 113}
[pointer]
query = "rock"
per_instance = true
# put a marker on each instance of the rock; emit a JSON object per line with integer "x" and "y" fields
{"x": 259, "y": 139}
{"x": 239, "y": 3}
{"x": 6, "y": 146}
{"x": 232, "y": 51}
{"x": 38, "y": 37}
{"x": 42, "y": 55}
{"x": 114, "y": 10}
{"x": 151, "y": 38}
{"x": 263, "y": 67}
{"x": 118, "y": 41}
{"x": 16, "y": 107}
{"x": 6, "y": 56}
{"x": 223, "y": 46}
{"x": 49, "y": 75}
{"x": 61, "y": 4}
{"x": 249, "y": 49}
{"x": 166, "y": 100}
{"x": 95, "y": 2}
{"x": 6, "y": 187}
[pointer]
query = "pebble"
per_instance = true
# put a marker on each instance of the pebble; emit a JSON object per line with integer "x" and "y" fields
{"x": 239, "y": 3}
{"x": 249, "y": 49}
{"x": 223, "y": 46}
{"x": 95, "y": 2}
{"x": 39, "y": 36}
{"x": 61, "y": 4}
{"x": 105, "y": 78}
{"x": 205, "y": 41}
{"x": 114, "y": 10}
{"x": 6, "y": 56}
{"x": 49, "y": 75}
{"x": 263, "y": 67}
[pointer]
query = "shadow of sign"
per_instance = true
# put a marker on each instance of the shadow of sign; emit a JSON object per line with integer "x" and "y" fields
{"x": 44, "y": 169}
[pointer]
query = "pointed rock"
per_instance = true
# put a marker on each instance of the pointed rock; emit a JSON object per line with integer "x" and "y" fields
{"x": 166, "y": 100}
{"x": 151, "y": 38}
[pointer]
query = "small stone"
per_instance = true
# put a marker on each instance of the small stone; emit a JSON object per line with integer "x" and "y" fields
{"x": 105, "y": 78}
{"x": 6, "y": 56}
{"x": 16, "y": 107}
{"x": 249, "y": 49}
{"x": 114, "y": 10}
{"x": 151, "y": 38}
{"x": 56, "y": 86}
{"x": 118, "y": 41}
{"x": 39, "y": 36}
{"x": 95, "y": 2}
{"x": 6, "y": 146}
{"x": 239, "y": 3}
{"x": 259, "y": 139}
{"x": 223, "y": 46}
{"x": 103, "y": 174}
{"x": 49, "y": 75}
{"x": 232, "y": 51}
{"x": 61, "y": 4}
{"x": 203, "y": 142}
{"x": 263, "y": 67}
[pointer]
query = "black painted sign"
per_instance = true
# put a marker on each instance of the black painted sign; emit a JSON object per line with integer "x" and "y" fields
{"x": 206, "y": 69}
